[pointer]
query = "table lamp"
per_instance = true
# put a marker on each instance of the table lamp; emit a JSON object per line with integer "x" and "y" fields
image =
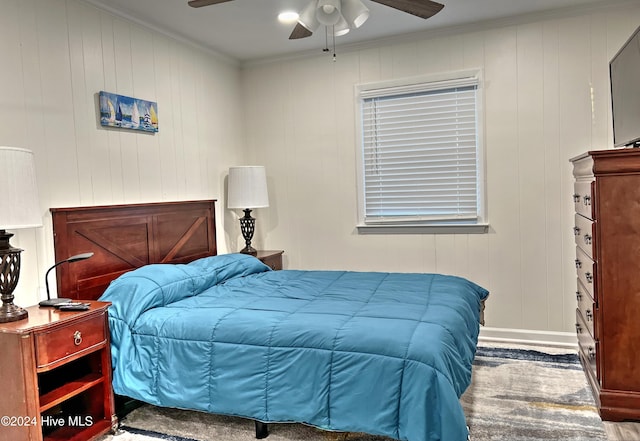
{"x": 60, "y": 300}
{"x": 19, "y": 208}
{"x": 247, "y": 189}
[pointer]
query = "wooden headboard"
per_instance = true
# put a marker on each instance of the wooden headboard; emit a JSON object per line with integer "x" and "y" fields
{"x": 126, "y": 237}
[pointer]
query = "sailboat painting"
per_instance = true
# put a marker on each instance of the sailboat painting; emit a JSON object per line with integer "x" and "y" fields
{"x": 128, "y": 113}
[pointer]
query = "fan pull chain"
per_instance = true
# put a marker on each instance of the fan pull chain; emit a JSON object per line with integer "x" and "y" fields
{"x": 326, "y": 40}
{"x": 334, "y": 43}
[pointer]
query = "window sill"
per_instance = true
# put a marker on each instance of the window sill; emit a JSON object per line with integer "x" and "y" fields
{"x": 482, "y": 228}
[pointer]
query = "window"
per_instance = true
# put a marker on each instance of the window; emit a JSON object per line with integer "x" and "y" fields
{"x": 421, "y": 153}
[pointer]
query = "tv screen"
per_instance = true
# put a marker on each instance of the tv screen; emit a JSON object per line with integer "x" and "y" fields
{"x": 624, "y": 71}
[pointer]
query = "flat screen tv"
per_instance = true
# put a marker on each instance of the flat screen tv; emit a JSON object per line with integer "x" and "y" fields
{"x": 624, "y": 72}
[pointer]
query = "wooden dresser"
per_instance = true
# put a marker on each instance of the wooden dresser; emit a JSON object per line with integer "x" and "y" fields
{"x": 607, "y": 237}
{"x": 55, "y": 375}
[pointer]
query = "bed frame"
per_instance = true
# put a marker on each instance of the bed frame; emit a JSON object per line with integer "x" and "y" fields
{"x": 126, "y": 237}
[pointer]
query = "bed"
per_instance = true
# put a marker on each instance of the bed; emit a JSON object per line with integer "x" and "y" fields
{"x": 382, "y": 353}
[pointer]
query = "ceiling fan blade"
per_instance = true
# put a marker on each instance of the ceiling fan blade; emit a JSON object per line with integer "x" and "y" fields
{"x": 419, "y": 8}
{"x": 300, "y": 32}
{"x": 201, "y": 3}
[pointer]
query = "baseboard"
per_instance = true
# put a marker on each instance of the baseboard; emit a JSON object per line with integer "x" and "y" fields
{"x": 529, "y": 337}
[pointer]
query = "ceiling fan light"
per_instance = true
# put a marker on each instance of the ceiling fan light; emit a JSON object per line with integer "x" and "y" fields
{"x": 308, "y": 18}
{"x": 328, "y": 12}
{"x": 288, "y": 17}
{"x": 355, "y": 13}
{"x": 341, "y": 28}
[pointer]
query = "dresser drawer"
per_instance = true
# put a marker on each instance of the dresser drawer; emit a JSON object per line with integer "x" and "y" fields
{"x": 586, "y": 306}
{"x": 587, "y": 344}
{"x": 583, "y": 199}
{"x": 586, "y": 269}
{"x": 583, "y": 232}
{"x": 63, "y": 342}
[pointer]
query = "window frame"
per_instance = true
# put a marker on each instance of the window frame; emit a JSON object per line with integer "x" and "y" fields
{"x": 436, "y": 81}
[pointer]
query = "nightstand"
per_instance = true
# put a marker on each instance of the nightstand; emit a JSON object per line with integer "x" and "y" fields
{"x": 55, "y": 375}
{"x": 271, "y": 258}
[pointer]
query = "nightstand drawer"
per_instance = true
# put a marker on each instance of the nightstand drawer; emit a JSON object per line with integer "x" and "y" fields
{"x": 63, "y": 342}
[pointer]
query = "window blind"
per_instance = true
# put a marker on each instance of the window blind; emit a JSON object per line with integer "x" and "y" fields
{"x": 420, "y": 147}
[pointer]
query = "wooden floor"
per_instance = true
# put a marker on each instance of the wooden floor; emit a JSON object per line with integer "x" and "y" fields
{"x": 622, "y": 431}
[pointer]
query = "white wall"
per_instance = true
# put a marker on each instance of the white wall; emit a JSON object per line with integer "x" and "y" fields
{"x": 56, "y": 56}
{"x": 546, "y": 100}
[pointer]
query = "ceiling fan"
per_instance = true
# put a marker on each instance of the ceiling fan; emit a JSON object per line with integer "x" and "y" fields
{"x": 342, "y": 15}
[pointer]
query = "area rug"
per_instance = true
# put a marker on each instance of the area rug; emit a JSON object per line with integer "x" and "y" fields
{"x": 524, "y": 394}
{"x": 515, "y": 395}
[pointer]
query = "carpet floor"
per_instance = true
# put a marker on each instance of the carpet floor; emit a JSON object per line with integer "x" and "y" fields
{"x": 516, "y": 394}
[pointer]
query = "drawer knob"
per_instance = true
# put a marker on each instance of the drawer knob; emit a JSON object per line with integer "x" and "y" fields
{"x": 587, "y": 239}
{"x": 589, "y": 277}
{"x": 77, "y": 338}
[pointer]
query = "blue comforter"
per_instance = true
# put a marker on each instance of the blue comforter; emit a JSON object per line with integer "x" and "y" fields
{"x": 382, "y": 353}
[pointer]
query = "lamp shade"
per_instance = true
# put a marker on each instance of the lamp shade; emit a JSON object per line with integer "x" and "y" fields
{"x": 354, "y": 12}
{"x": 19, "y": 205}
{"x": 308, "y": 16}
{"x": 341, "y": 28}
{"x": 328, "y": 12}
{"x": 247, "y": 187}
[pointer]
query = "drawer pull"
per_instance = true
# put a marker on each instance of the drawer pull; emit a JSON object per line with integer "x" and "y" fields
{"x": 592, "y": 353}
{"x": 77, "y": 338}
{"x": 576, "y": 231}
{"x": 578, "y": 264}
{"x": 587, "y": 200}
{"x": 578, "y": 328}
{"x": 576, "y": 198}
{"x": 589, "y": 277}
{"x": 578, "y": 296}
{"x": 589, "y": 315}
{"x": 587, "y": 239}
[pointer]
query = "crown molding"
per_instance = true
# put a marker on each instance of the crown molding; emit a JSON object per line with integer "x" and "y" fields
{"x": 217, "y": 55}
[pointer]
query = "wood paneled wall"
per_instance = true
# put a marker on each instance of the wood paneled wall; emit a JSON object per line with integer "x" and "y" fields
{"x": 56, "y": 56}
{"x": 546, "y": 95}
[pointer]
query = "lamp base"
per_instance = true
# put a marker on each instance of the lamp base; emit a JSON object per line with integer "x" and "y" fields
{"x": 248, "y": 226}
{"x": 9, "y": 275}
{"x": 12, "y": 313}
{"x": 249, "y": 250}
{"x": 54, "y": 302}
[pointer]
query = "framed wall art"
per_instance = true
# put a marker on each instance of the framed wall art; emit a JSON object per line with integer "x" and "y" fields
{"x": 128, "y": 113}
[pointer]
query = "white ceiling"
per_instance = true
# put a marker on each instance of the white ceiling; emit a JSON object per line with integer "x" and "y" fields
{"x": 249, "y": 30}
